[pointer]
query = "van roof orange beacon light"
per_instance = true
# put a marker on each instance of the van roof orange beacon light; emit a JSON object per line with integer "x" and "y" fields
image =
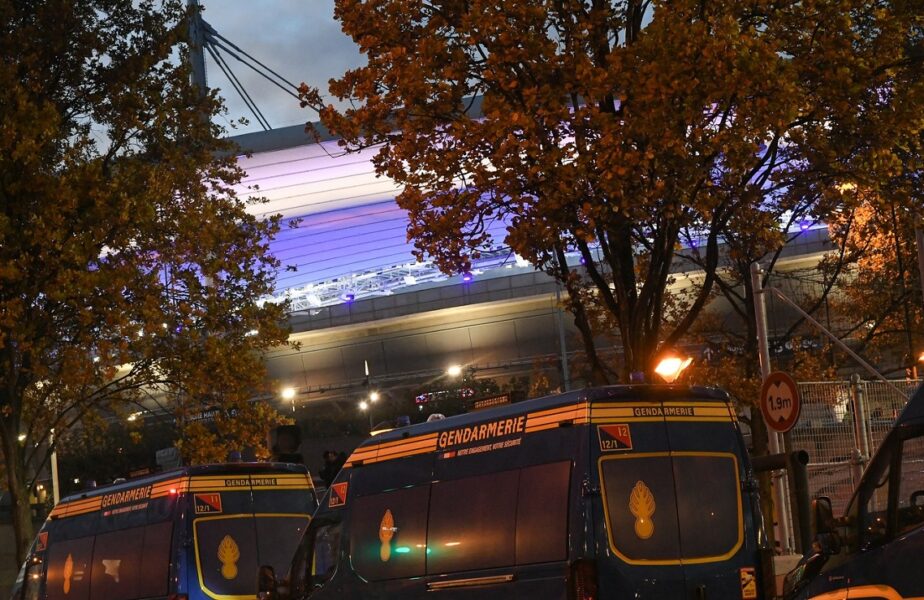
{"x": 671, "y": 366}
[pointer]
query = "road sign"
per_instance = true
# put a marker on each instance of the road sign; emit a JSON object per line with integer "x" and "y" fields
{"x": 779, "y": 401}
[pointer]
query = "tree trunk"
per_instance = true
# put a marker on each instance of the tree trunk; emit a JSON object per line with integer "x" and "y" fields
{"x": 19, "y": 494}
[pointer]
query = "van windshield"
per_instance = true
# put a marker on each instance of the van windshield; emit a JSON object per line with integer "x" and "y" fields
{"x": 667, "y": 508}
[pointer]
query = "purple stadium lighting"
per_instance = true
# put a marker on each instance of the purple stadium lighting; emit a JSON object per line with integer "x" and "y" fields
{"x": 804, "y": 225}
{"x": 348, "y": 297}
{"x": 467, "y": 277}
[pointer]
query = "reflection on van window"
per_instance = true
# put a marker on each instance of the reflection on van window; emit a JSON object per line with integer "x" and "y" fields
{"x": 388, "y": 534}
{"x": 117, "y": 565}
{"x": 473, "y": 523}
{"x": 874, "y": 499}
{"x": 911, "y": 488}
{"x": 278, "y": 538}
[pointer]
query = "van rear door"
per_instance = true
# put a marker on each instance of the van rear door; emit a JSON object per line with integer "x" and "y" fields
{"x": 638, "y": 542}
{"x": 671, "y": 475}
{"x": 241, "y": 521}
{"x": 719, "y": 558}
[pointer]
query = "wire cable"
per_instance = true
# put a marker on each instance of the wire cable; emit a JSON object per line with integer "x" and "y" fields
{"x": 211, "y": 31}
{"x": 211, "y": 41}
{"x": 238, "y": 86}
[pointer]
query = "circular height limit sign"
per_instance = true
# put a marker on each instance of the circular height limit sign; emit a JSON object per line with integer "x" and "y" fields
{"x": 780, "y": 402}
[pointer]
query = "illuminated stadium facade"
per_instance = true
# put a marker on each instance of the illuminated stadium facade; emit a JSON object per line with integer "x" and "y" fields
{"x": 359, "y": 297}
{"x": 350, "y": 241}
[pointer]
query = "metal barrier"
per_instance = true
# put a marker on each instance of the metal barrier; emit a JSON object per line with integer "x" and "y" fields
{"x": 841, "y": 425}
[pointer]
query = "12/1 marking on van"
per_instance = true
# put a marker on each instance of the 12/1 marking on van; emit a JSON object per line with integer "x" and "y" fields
{"x": 614, "y": 437}
{"x": 338, "y": 494}
{"x": 208, "y": 503}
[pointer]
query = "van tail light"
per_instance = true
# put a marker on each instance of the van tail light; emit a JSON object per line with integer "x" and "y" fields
{"x": 583, "y": 580}
{"x": 177, "y": 597}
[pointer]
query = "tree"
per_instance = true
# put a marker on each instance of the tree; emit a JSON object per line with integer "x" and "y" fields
{"x": 606, "y": 128}
{"x": 879, "y": 305}
{"x": 129, "y": 270}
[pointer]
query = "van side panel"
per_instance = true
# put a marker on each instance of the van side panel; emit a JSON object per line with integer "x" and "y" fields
{"x": 503, "y": 504}
{"x": 498, "y": 516}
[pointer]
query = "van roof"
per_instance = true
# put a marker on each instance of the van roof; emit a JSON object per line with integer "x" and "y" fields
{"x": 612, "y": 393}
{"x": 214, "y": 469}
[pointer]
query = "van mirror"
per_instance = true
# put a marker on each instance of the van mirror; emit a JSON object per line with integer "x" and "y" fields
{"x": 807, "y": 569}
{"x": 822, "y": 516}
{"x": 266, "y": 583}
{"x": 917, "y": 499}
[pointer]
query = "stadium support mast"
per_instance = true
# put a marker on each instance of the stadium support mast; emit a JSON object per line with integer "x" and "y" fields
{"x": 197, "y": 46}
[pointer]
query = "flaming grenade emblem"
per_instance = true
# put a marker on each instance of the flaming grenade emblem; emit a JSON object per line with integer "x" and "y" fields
{"x": 386, "y": 532}
{"x": 228, "y": 554}
{"x": 68, "y": 573}
{"x": 642, "y": 505}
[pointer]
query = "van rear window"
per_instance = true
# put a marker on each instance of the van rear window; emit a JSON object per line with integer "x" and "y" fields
{"x": 388, "y": 534}
{"x": 482, "y": 522}
{"x": 669, "y": 508}
{"x": 230, "y": 548}
{"x": 126, "y": 567}
{"x": 709, "y": 503}
{"x": 473, "y": 523}
{"x": 69, "y": 569}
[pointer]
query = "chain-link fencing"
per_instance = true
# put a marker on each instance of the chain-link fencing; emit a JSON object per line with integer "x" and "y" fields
{"x": 841, "y": 425}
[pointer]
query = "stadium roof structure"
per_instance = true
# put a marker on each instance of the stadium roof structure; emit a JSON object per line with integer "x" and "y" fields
{"x": 344, "y": 237}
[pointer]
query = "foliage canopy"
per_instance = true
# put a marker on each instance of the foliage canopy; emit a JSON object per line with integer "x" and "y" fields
{"x": 129, "y": 270}
{"x": 627, "y": 132}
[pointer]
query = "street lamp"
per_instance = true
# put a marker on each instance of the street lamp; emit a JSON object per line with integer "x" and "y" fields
{"x": 454, "y": 370}
{"x": 671, "y": 366}
{"x": 287, "y": 393}
{"x": 363, "y": 405}
{"x": 373, "y": 396}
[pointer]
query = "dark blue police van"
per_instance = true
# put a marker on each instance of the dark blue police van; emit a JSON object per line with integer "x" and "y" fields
{"x": 195, "y": 533}
{"x": 875, "y": 550}
{"x": 640, "y": 491}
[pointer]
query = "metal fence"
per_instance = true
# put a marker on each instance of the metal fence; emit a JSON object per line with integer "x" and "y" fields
{"x": 841, "y": 425}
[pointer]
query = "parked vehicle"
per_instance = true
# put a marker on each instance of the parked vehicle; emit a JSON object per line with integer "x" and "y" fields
{"x": 194, "y": 533}
{"x": 874, "y": 551}
{"x": 641, "y": 491}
